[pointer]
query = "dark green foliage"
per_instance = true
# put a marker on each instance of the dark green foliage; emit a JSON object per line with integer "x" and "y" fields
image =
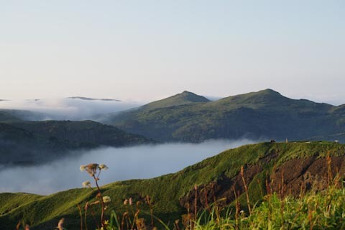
{"x": 11, "y": 115}
{"x": 7, "y": 116}
{"x": 35, "y": 142}
{"x": 264, "y": 114}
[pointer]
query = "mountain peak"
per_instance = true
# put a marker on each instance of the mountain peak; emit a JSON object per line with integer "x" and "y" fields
{"x": 190, "y": 97}
{"x": 186, "y": 93}
{"x": 269, "y": 92}
{"x": 258, "y": 98}
{"x": 183, "y": 98}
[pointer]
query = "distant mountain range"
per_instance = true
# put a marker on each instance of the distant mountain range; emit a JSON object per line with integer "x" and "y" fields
{"x": 185, "y": 117}
{"x": 265, "y": 114}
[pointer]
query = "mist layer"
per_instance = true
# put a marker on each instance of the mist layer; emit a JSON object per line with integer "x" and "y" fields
{"x": 138, "y": 162}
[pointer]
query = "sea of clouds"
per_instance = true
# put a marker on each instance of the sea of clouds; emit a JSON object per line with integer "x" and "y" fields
{"x": 138, "y": 162}
{"x": 68, "y": 108}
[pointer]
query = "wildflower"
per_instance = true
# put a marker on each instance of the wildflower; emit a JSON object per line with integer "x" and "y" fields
{"x": 86, "y": 184}
{"x": 106, "y": 199}
{"x": 125, "y": 202}
{"x": 130, "y": 201}
{"x": 103, "y": 166}
{"x": 82, "y": 167}
{"x": 91, "y": 169}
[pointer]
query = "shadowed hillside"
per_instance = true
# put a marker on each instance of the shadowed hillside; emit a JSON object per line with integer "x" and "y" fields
{"x": 37, "y": 142}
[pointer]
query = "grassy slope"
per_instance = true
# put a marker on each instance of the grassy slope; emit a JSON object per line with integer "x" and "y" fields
{"x": 165, "y": 190}
{"x": 260, "y": 114}
{"x": 183, "y": 98}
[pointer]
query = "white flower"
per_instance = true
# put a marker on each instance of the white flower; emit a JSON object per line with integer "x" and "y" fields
{"x": 103, "y": 166}
{"x": 86, "y": 184}
{"x": 106, "y": 199}
{"x": 82, "y": 167}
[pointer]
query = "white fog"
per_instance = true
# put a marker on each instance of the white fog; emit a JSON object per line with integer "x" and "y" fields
{"x": 136, "y": 162}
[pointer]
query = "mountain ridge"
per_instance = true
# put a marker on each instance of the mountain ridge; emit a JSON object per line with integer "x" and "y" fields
{"x": 262, "y": 114}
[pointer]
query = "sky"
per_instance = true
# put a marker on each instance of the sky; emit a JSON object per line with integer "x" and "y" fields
{"x": 146, "y": 50}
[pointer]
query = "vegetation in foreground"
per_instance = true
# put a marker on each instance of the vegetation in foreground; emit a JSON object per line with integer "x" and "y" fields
{"x": 324, "y": 210}
{"x": 218, "y": 180}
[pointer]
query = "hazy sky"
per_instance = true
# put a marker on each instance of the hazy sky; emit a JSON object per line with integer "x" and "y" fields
{"x": 145, "y": 50}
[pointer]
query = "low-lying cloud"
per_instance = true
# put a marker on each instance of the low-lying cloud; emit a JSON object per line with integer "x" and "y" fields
{"x": 68, "y": 108}
{"x": 137, "y": 162}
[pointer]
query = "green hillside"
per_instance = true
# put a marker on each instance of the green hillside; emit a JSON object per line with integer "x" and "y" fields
{"x": 183, "y": 98}
{"x": 36, "y": 142}
{"x": 288, "y": 168}
{"x": 11, "y": 115}
{"x": 264, "y": 114}
{"x": 7, "y": 115}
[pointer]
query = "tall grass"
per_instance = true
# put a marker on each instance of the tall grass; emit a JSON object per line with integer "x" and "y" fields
{"x": 314, "y": 210}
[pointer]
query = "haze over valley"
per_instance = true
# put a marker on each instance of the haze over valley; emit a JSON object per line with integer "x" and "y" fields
{"x": 139, "y": 162}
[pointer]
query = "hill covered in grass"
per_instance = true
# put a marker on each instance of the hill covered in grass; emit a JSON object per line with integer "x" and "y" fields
{"x": 183, "y": 98}
{"x": 264, "y": 114}
{"x": 8, "y": 115}
{"x": 284, "y": 168}
{"x": 24, "y": 142}
{"x": 13, "y": 115}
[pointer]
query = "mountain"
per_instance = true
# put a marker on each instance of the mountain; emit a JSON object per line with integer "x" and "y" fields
{"x": 183, "y": 98}
{"x": 27, "y": 142}
{"x": 11, "y": 115}
{"x": 264, "y": 114}
{"x": 6, "y": 116}
{"x": 285, "y": 168}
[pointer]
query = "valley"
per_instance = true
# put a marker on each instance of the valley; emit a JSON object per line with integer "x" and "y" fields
{"x": 214, "y": 178}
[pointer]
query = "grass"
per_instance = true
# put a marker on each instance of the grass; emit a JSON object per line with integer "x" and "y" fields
{"x": 325, "y": 210}
{"x": 43, "y": 212}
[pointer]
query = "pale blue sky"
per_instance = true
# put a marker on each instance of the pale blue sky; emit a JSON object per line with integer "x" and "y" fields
{"x": 145, "y": 50}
